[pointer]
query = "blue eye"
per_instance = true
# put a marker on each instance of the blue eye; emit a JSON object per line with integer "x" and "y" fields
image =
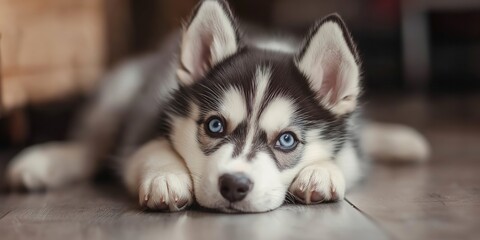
{"x": 215, "y": 127}
{"x": 286, "y": 141}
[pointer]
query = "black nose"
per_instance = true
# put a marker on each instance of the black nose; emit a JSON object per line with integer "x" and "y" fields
{"x": 234, "y": 187}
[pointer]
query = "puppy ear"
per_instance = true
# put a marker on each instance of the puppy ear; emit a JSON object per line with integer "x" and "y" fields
{"x": 329, "y": 60}
{"x": 210, "y": 37}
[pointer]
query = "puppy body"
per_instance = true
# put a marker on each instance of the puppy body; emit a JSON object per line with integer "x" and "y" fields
{"x": 234, "y": 123}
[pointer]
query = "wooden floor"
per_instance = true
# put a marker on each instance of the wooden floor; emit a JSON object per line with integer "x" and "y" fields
{"x": 436, "y": 200}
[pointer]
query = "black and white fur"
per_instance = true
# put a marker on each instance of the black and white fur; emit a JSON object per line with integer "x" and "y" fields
{"x": 153, "y": 113}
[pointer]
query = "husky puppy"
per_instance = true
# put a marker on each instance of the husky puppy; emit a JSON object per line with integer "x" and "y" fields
{"x": 232, "y": 122}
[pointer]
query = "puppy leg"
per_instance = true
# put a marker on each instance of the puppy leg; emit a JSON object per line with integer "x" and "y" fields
{"x": 319, "y": 182}
{"x": 395, "y": 143}
{"x": 158, "y": 175}
{"x": 50, "y": 165}
{"x": 56, "y": 164}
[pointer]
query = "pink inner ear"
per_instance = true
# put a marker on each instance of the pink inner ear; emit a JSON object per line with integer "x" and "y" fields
{"x": 201, "y": 59}
{"x": 332, "y": 82}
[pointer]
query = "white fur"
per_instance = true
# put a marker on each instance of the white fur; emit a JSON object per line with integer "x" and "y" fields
{"x": 316, "y": 149}
{"x": 277, "y": 115}
{"x": 268, "y": 190}
{"x": 331, "y": 69}
{"x": 184, "y": 141}
{"x": 211, "y": 28}
{"x": 262, "y": 79}
{"x": 233, "y": 107}
{"x": 347, "y": 160}
{"x": 50, "y": 165}
{"x": 159, "y": 176}
{"x": 395, "y": 143}
{"x": 275, "y": 45}
{"x": 323, "y": 178}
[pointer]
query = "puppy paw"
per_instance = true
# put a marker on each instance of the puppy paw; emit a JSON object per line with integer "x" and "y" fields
{"x": 46, "y": 166}
{"x": 166, "y": 191}
{"x": 318, "y": 183}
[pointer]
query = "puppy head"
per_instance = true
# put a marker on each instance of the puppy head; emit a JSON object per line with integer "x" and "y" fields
{"x": 246, "y": 120}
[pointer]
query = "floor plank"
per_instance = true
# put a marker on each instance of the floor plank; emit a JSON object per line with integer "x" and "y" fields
{"x": 100, "y": 212}
{"x": 438, "y": 200}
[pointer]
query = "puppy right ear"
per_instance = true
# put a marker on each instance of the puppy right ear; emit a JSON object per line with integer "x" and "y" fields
{"x": 329, "y": 60}
{"x": 210, "y": 37}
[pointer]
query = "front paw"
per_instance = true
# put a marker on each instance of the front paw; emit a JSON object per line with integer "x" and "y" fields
{"x": 318, "y": 183}
{"x": 166, "y": 191}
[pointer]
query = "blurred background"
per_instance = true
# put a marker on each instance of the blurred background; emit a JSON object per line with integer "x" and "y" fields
{"x": 421, "y": 58}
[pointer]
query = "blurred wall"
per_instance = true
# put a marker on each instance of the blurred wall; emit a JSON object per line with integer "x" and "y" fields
{"x": 425, "y": 46}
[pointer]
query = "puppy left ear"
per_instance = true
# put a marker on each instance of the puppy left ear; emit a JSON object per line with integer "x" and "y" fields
{"x": 330, "y": 62}
{"x": 210, "y": 37}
